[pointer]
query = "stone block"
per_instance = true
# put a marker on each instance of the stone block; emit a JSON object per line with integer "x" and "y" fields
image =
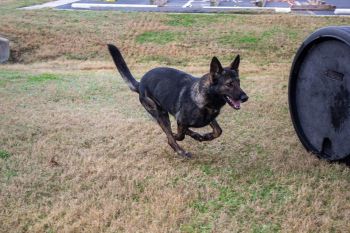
{"x": 4, "y": 50}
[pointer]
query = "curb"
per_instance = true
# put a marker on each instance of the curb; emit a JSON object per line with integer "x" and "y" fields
{"x": 342, "y": 11}
{"x": 130, "y": 6}
{"x": 254, "y": 9}
{"x": 97, "y": 5}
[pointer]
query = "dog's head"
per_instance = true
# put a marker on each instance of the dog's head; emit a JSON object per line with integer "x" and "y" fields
{"x": 225, "y": 82}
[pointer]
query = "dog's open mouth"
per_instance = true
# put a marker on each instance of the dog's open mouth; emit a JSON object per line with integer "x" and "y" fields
{"x": 236, "y": 104}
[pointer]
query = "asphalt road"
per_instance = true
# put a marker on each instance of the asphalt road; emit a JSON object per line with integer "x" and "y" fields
{"x": 195, "y": 6}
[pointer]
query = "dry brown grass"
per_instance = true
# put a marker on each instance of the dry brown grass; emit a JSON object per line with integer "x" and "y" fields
{"x": 82, "y": 155}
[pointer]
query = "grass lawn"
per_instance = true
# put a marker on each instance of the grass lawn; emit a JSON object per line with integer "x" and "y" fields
{"x": 79, "y": 153}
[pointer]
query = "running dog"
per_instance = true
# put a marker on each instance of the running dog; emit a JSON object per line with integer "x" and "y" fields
{"x": 194, "y": 102}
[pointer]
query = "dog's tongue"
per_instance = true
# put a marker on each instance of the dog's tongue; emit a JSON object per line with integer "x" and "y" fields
{"x": 236, "y": 104}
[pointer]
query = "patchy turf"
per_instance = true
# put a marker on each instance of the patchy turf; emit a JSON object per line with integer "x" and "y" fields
{"x": 78, "y": 152}
{"x": 157, "y": 37}
{"x": 83, "y": 35}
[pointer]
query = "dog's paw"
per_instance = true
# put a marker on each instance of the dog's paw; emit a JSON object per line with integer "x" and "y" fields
{"x": 178, "y": 137}
{"x": 185, "y": 154}
{"x": 208, "y": 136}
{"x": 198, "y": 137}
{"x": 202, "y": 138}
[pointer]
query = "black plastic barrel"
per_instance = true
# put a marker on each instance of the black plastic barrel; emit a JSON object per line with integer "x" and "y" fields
{"x": 319, "y": 97}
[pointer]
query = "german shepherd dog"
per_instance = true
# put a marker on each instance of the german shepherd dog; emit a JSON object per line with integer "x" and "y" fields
{"x": 194, "y": 102}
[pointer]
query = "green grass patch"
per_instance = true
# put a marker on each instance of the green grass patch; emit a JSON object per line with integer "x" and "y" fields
{"x": 194, "y": 20}
{"x": 27, "y": 82}
{"x": 270, "y": 192}
{"x": 279, "y": 31}
{"x": 202, "y": 227}
{"x": 42, "y": 78}
{"x": 229, "y": 198}
{"x": 9, "y": 173}
{"x": 239, "y": 38}
{"x": 4, "y": 154}
{"x": 2, "y": 82}
{"x": 259, "y": 38}
{"x": 188, "y": 20}
{"x": 248, "y": 39}
{"x": 185, "y": 20}
{"x": 7, "y": 75}
{"x": 158, "y": 37}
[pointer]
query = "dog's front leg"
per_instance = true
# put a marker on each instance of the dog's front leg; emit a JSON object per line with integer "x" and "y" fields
{"x": 217, "y": 131}
{"x": 208, "y": 136}
{"x": 195, "y": 136}
{"x": 181, "y": 132}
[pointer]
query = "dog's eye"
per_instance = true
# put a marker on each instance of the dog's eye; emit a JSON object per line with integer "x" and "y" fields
{"x": 230, "y": 84}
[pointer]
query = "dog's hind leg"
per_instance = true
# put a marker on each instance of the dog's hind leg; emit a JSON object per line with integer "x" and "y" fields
{"x": 164, "y": 123}
{"x": 163, "y": 120}
{"x": 208, "y": 136}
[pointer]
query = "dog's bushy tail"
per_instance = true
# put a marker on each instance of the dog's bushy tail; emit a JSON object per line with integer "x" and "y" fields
{"x": 123, "y": 68}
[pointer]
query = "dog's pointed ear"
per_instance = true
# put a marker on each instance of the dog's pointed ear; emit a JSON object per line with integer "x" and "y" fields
{"x": 215, "y": 68}
{"x": 235, "y": 64}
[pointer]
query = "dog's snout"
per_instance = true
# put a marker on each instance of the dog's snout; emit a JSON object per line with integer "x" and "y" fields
{"x": 244, "y": 97}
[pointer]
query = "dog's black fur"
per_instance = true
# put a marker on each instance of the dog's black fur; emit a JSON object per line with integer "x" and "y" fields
{"x": 194, "y": 102}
